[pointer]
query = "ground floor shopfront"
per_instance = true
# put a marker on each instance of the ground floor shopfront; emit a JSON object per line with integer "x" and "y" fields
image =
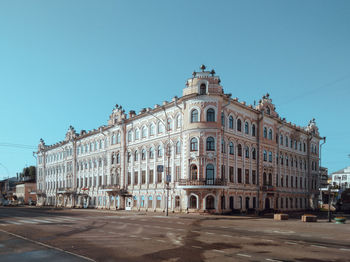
{"x": 186, "y": 199}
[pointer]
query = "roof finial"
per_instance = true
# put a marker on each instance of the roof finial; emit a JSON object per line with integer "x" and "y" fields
{"x": 202, "y": 68}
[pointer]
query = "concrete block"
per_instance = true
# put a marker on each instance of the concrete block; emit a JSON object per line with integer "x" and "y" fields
{"x": 280, "y": 217}
{"x": 309, "y": 218}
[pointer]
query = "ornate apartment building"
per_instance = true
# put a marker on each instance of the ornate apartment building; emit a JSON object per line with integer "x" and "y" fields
{"x": 204, "y": 151}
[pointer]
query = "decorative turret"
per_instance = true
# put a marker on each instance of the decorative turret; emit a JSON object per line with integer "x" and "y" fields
{"x": 118, "y": 114}
{"x": 266, "y": 105}
{"x": 71, "y": 134}
{"x": 41, "y": 145}
{"x": 203, "y": 83}
{"x": 312, "y": 127}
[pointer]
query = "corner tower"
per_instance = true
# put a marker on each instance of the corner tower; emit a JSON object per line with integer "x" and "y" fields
{"x": 203, "y": 83}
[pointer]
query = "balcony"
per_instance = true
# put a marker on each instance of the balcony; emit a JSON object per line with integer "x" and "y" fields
{"x": 202, "y": 183}
{"x": 267, "y": 188}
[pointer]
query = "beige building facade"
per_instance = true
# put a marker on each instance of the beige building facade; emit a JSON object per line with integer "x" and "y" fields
{"x": 204, "y": 151}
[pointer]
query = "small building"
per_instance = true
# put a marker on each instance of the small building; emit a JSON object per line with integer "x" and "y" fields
{"x": 26, "y": 192}
{"x": 341, "y": 178}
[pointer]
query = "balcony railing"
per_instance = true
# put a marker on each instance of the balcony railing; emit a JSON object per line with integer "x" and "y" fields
{"x": 114, "y": 187}
{"x": 268, "y": 188}
{"x": 203, "y": 182}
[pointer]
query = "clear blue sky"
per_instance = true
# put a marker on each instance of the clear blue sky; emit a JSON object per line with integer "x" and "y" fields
{"x": 69, "y": 62}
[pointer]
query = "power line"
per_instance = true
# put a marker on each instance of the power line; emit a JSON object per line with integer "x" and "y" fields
{"x": 329, "y": 84}
{"x": 17, "y": 146}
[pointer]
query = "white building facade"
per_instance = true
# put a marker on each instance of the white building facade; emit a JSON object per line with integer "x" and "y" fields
{"x": 341, "y": 178}
{"x": 203, "y": 151}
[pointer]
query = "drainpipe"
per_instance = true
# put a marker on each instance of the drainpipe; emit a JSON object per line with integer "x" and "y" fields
{"x": 260, "y": 117}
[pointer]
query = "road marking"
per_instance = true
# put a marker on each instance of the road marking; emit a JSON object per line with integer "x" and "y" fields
{"x": 246, "y": 238}
{"x": 209, "y": 233}
{"x": 132, "y": 236}
{"x": 227, "y": 236}
{"x": 223, "y": 227}
{"x": 344, "y": 249}
{"x": 46, "y": 245}
{"x": 180, "y": 229}
{"x": 146, "y": 238}
{"x": 273, "y": 260}
{"x": 217, "y": 250}
{"x": 40, "y": 220}
{"x": 195, "y": 231}
{"x": 290, "y": 243}
{"x": 243, "y": 255}
{"x": 27, "y": 222}
{"x": 318, "y": 246}
{"x": 160, "y": 240}
{"x": 197, "y": 247}
{"x": 3, "y": 225}
{"x": 267, "y": 240}
{"x": 14, "y": 222}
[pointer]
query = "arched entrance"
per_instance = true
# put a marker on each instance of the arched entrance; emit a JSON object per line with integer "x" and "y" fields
{"x": 247, "y": 202}
{"x": 232, "y": 205}
{"x": 267, "y": 203}
{"x": 194, "y": 172}
{"x": 193, "y": 202}
{"x": 209, "y": 202}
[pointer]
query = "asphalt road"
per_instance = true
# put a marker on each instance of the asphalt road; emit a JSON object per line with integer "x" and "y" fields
{"x": 43, "y": 234}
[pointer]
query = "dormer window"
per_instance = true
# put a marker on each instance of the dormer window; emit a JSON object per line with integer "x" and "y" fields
{"x": 203, "y": 89}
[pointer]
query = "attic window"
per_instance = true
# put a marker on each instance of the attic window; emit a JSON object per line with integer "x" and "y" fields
{"x": 268, "y": 110}
{"x": 203, "y": 89}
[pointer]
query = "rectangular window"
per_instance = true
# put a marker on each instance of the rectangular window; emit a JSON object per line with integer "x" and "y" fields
{"x": 99, "y": 180}
{"x": 223, "y": 175}
{"x": 151, "y": 176}
{"x": 177, "y": 173}
{"x": 159, "y": 177}
{"x": 143, "y": 177}
{"x": 254, "y": 177}
{"x": 129, "y": 178}
{"x": 239, "y": 175}
{"x": 247, "y": 176}
{"x": 231, "y": 174}
{"x": 136, "y": 178}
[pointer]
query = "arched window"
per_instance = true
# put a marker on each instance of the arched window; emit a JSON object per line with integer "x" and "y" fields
{"x": 151, "y": 153}
{"x": 286, "y": 141}
{"x": 270, "y": 179}
{"x": 177, "y": 202}
{"x": 223, "y": 119}
{"x": 159, "y": 151}
{"x": 169, "y": 124}
{"x": 270, "y": 134}
{"x": 203, "y": 89}
{"x": 136, "y": 154}
{"x": 246, "y": 128}
{"x": 287, "y": 163}
{"x": 281, "y": 139}
{"x": 304, "y": 147}
{"x": 253, "y": 130}
{"x": 264, "y": 179}
{"x": 270, "y": 157}
{"x": 113, "y": 139}
{"x": 137, "y": 134}
{"x": 178, "y": 121}
{"x": 239, "y": 125}
{"x": 210, "y": 115}
{"x": 223, "y": 146}
{"x": 152, "y": 130}
{"x": 129, "y": 157}
{"x": 232, "y": 149}
{"x": 113, "y": 158}
{"x": 230, "y": 122}
{"x": 239, "y": 149}
{"x": 209, "y": 202}
{"x": 160, "y": 127}
{"x": 118, "y": 138}
{"x": 118, "y": 158}
{"x": 194, "y": 172}
{"x": 193, "y": 202}
{"x": 254, "y": 153}
{"x": 247, "y": 152}
{"x": 194, "y": 144}
{"x": 129, "y": 136}
{"x": 178, "y": 147}
{"x": 265, "y": 132}
{"x": 268, "y": 111}
{"x": 143, "y": 154}
{"x": 194, "y": 116}
{"x": 265, "y": 155}
{"x": 144, "y": 132}
{"x": 210, "y": 144}
{"x": 209, "y": 174}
